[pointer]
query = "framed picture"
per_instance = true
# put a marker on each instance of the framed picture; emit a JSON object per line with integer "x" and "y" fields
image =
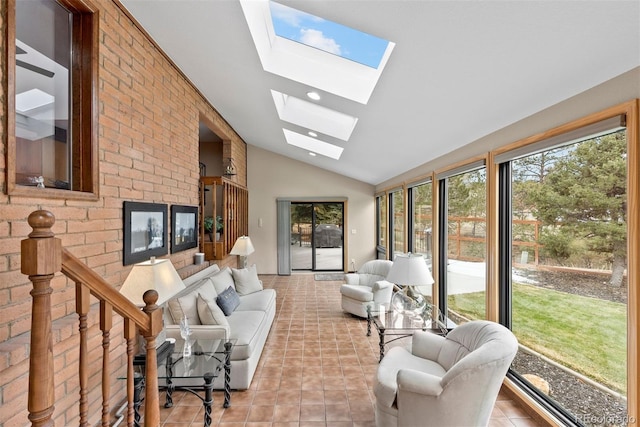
{"x": 145, "y": 231}
{"x": 184, "y": 227}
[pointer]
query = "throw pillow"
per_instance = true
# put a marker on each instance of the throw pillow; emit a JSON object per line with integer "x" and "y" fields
{"x": 222, "y": 280}
{"x": 184, "y": 306}
{"x": 228, "y": 300}
{"x": 210, "y": 313}
{"x": 246, "y": 280}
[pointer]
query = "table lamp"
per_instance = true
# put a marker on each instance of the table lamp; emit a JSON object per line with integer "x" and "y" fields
{"x": 408, "y": 272}
{"x": 156, "y": 274}
{"x": 242, "y": 248}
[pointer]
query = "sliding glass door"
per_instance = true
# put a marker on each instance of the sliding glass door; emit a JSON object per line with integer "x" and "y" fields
{"x": 317, "y": 236}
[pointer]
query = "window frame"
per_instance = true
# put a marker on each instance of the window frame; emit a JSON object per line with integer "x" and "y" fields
{"x": 84, "y": 105}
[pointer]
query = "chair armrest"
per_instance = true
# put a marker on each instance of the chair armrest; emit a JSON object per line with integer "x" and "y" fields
{"x": 352, "y": 279}
{"x": 381, "y": 284}
{"x": 416, "y": 382}
{"x": 426, "y": 345}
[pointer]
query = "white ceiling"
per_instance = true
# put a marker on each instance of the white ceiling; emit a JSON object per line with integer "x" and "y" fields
{"x": 459, "y": 70}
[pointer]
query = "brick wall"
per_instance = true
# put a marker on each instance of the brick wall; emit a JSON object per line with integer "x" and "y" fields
{"x": 148, "y": 151}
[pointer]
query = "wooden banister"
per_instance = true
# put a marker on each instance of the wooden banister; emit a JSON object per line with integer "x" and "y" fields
{"x": 42, "y": 255}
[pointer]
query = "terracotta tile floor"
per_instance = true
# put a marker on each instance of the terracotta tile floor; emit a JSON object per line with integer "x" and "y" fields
{"x": 316, "y": 369}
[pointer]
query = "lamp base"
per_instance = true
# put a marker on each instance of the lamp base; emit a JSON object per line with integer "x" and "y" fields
{"x": 409, "y": 301}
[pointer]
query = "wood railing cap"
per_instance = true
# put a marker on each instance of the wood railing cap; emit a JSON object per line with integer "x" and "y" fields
{"x": 41, "y": 221}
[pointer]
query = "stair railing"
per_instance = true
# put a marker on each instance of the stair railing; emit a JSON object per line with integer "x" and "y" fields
{"x": 42, "y": 255}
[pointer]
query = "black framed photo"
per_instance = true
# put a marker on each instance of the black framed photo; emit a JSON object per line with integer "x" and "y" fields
{"x": 145, "y": 231}
{"x": 184, "y": 227}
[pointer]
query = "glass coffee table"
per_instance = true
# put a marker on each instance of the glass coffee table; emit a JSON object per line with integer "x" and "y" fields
{"x": 193, "y": 371}
{"x": 393, "y": 325}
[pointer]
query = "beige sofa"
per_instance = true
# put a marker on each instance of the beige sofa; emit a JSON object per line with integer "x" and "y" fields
{"x": 248, "y": 323}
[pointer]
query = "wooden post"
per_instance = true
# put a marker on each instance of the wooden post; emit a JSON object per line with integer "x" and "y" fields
{"x": 151, "y": 394}
{"x": 41, "y": 258}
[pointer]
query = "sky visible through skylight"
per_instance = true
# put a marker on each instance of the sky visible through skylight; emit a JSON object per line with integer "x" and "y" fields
{"x": 326, "y": 35}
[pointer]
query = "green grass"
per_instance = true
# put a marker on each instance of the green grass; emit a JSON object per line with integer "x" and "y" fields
{"x": 588, "y": 335}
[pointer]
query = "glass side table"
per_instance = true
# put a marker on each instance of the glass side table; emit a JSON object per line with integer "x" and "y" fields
{"x": 393, "y": 325}
{"x": 193, "y": 373}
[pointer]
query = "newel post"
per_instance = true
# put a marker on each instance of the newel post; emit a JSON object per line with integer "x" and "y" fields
{"x": 41, "y": 258}
{"x": 151, "y": 396}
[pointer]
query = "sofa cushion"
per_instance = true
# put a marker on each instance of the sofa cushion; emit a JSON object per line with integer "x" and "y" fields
{"x": 258, "y": 301}
{"x": 222, "y": 280}
{"x": 210, "y": 313}
{"x": 246, "y": 280}
{"x": 228, "y": 300}
{"x": 207, "y": 290}
{"x": 246, "y": 328}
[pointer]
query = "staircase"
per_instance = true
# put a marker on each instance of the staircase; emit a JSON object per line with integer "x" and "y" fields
{"x": 42, "y": 256}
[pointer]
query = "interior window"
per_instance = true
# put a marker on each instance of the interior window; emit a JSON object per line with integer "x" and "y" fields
{"x": 53, "y": 145}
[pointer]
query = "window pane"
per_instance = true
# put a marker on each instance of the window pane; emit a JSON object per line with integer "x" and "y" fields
{"x": 398, "y": 223}
{"x": 422, "y": 215}
{"x": 43, "y": 58}
{"x": 421, "y": 221}
{"x": 466, "y": 236}
{"x": 569, "y": 291}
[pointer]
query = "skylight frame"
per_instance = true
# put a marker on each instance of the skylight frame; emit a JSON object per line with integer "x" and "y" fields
{"x": 312, "y": 144}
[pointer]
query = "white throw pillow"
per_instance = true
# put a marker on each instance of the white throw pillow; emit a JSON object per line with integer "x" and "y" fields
{"x": 246, "y": 280}
{"x": 210, "y": 313}
{"x": 184, "y": 306}
{"x": 222, "y": 280}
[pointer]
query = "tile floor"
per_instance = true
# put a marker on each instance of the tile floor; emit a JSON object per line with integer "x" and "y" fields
{"x": 316, "y": 369}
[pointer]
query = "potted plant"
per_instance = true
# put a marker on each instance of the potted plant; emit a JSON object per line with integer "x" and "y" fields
{"x": 208, "y": 226}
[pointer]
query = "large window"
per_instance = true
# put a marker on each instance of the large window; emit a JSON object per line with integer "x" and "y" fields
{"x": 568, "y": 308}
{"x": 52, "y": 129}
{"x": 396, "y": 206}
{"x": 381, "y": 226}
{"x": 465, "y": 228}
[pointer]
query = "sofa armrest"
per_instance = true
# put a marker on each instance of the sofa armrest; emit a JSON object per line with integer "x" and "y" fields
{"x": 201, "y": 332}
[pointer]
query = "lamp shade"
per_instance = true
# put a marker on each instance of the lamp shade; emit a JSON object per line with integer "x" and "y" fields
{"x": 410, "y": 269}
{"x": 157, "y": 274}
{"x": 242, "y": 247}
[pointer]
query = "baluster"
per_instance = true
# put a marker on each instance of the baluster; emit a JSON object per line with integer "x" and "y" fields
{"x": 106, "y": 323}
{"x": 130, "y": 336}
{"x": 40, "y": 259}
{"x": 151, "y": 396}
{"x": 82, "y": 308}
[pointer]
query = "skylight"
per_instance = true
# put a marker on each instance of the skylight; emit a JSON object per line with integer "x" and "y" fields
{"x": 311, "y": 116}
{"x": 310, "y": 65}
{"x": 327, "y": 35}
{"x": 312, "y": 144}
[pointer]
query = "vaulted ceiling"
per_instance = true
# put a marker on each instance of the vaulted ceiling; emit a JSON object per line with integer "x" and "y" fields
{"x": 459, "y": 70}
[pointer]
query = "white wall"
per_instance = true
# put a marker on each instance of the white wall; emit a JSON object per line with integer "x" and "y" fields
{"x": 608, "y": 94}
{"x": 271, "y": 176}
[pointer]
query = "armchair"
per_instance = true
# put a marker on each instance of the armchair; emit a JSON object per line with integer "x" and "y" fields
{"x": 444, "y": 381}
{"x": 367, "y": 287}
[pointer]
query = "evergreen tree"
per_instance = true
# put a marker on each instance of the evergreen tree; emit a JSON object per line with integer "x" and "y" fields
{"x": 584, "y": 199}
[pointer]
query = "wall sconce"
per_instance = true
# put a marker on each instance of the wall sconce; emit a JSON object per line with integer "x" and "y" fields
{"x": 230, "y": 168}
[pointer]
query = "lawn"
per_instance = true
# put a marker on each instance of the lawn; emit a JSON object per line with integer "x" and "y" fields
{"x": 585, "y": 334}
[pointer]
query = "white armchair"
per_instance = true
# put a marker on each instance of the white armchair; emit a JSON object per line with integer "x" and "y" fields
{"x": 367, "y": 287}
{"x": 445, "y": 381}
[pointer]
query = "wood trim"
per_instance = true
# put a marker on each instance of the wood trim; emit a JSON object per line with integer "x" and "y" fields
{"x": 632, "y": 110}
{"x": 492, "y": 295}
{"x": 84, "y": 102}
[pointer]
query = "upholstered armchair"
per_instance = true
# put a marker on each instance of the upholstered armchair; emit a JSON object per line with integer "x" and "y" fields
{"x": 444, "y": 381}
{"x": 367, "y": 287}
